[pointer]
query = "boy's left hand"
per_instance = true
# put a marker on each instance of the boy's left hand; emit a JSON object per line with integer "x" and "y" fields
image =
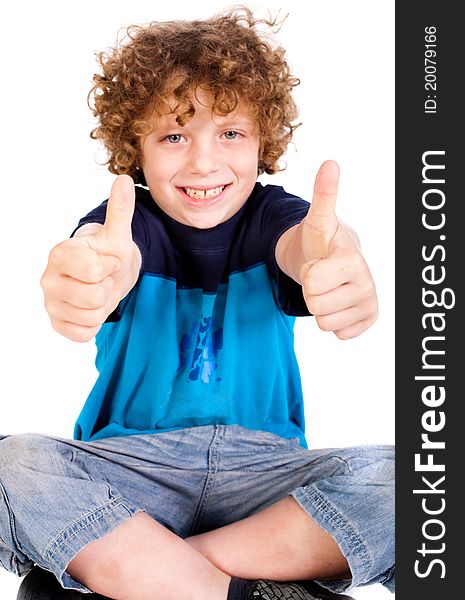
{"x": 337, "y": 284}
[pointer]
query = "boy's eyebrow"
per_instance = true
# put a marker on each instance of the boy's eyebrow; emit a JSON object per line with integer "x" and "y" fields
{"x": 236, "y": 118}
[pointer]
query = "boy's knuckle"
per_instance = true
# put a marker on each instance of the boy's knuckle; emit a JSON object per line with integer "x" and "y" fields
{"x": 78, "y": 333}
{"x": 62, "y": 327}
{"x": 313, "y": 304}
{"x": 368, "y": 294}
{"x": 311, "y": 286}
{"x": 344, "y": 334}
{"x": 51, "y": 309}
{"x": 324, "y": 323}
{"x": 50, "y": 288}
{"x": 357, "y": 260}
{"x": 308, "y": 301}
{"x": 99, "y": 317}
{"x": 352, "y": 259}
{"x": 307, "y": 283}
{"x": 58, "y": 253}
{"x": 45, "y": 282}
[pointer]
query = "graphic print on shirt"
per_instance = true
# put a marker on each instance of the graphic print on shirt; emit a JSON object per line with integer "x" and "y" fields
{"x": 199, "y": 350}
{"x": 200, "y": 323}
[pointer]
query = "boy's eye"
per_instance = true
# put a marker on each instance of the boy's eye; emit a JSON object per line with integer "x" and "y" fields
{"x": 231, "y": 135}
{"x": 174, "y": 138}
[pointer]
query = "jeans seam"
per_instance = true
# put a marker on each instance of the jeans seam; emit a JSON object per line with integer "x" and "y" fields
{"x": 11, "y": 521}
{"x": 357, "y": 547}
{"x": 73, "y": 530}
{"x": 212, "y": 469}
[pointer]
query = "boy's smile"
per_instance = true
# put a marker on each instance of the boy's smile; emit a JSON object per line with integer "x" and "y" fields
{"x": 201, "y": 174}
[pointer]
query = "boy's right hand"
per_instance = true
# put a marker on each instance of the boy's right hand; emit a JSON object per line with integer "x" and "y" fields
{"x": 88, "y": 275}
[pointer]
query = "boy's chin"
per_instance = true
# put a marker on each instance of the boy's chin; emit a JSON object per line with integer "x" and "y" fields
{"x": 205, "y": 220}
{"x": 200, "y": 223}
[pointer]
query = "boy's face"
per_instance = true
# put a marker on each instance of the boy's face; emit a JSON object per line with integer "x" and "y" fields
{"x": 201, "y": 174}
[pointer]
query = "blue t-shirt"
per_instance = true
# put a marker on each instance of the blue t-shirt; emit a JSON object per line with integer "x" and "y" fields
{"x": 206, "y": 334}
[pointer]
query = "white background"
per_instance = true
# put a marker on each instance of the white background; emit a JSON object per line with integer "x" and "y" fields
{"x": 343, "y": 52}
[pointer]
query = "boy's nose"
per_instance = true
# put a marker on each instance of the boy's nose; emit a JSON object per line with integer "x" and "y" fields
{"x": 204, "y": 159}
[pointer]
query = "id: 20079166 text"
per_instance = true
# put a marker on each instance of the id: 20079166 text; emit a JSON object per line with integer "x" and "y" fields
{"x": 431, "y": 52}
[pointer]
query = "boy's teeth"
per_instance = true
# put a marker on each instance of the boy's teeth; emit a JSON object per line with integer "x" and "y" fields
{"x": 201, "y": 194}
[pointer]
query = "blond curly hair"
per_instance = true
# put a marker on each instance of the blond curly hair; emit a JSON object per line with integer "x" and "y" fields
{"x": 227, "y": 54}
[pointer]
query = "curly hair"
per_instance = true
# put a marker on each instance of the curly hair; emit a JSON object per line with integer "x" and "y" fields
{"x": 226, "y": 54}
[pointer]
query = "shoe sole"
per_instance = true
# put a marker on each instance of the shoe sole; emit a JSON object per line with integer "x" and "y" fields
{"x": 270, "y": 590}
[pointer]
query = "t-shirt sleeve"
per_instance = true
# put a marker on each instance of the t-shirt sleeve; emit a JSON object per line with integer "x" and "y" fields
{"x": 280, "y": 212}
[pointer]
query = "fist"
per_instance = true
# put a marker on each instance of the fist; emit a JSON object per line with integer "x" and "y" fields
{"x": 88, "y": 275}
{"x": 337, "y": 284}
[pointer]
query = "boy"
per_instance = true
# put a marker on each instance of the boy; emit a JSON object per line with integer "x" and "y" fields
{"x": 189, "y": 476}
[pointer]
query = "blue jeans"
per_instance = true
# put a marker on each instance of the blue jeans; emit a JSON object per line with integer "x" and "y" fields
{"x": 57, "y": 495}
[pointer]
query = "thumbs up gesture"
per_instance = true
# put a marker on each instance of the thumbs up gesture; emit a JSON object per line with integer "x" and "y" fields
{"x": 337, "y": 284}
{"x": 88, "y": 275}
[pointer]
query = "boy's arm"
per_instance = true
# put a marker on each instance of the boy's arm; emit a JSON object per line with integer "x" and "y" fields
{"x": 323, "y": 255}
{"x": 88, "y": 275}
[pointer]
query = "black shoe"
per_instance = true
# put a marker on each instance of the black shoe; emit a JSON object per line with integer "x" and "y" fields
{"x": 302, "y": 590}
{"x": 43, "y": 585}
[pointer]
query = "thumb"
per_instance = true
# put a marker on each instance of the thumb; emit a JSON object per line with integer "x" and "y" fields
{"x": 320, "y": 224}
{"x": 120, "y": 209}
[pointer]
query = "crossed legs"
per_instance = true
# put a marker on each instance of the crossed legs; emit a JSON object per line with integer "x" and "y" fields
{"x": 141, "y": 559}
{"x": 58, "y": 510}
